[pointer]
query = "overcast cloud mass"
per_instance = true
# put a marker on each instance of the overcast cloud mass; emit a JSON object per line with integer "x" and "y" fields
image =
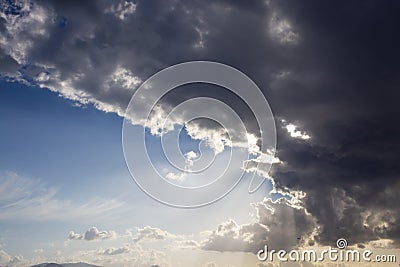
{"x": 330, "y": 71}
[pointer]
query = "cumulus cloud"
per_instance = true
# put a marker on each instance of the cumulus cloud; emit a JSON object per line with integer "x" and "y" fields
{"x": 281, "y": 30}
{"x": 188, "y": 244}
{"x": 189, "y": 158}
{"x": 4, "y": 257}
{"x": 99, "y": 65}
{"x": 211, "y": 264}
{"x": 149, "y": 234}
{"x": 89, "y": 75}
{"x": 12, "y": 261}
{"x": 229, "y": 236}
{"x": 92, "y": 234}
{"x": 116, "y": 251}
{"x": 294, "y": 132}
{"x": 123, "y": 255}
{"x": 280, "y": 225}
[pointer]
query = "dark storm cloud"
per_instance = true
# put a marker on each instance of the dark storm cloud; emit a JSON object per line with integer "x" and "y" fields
{"x": 344, "y": 91}
{"x": 331, "y": 68}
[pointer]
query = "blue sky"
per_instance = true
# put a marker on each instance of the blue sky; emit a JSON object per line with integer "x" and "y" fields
{"x": 77, "y": 151}
{"x": 48, "y": 130}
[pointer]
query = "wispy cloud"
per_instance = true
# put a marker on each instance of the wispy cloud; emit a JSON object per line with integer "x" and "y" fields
{"x": 92, "y": 234}
{"x": 25, "y": 198}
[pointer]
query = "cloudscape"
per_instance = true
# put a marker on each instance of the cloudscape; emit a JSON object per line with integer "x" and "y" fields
{"x": 76, "y": 81}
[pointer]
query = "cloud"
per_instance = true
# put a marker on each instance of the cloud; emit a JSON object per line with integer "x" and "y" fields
{"x": 149, "y": 234}
{"x": 280, "y": 225}
{"x": 347, "y": 169}
{"x": 25, "y": 198}
{"x": 122, "y": 10}
{"x": 229, "y": 236}
{"x": 39, "y": 250}
{"x": 188, "y": 244}
{"x": 4, "y": 257}
{"x": 116, "y": 251}
{"x": 36, "y": 31}
{"x": 103, "y": 66}
{"x": 132, "y": 255}
{"x": 12, "y": 261}
{"x": 293, "y": 132}
{"x": 282, "y": 31}
{"x": 211, "y": 264}
{"x": 92, "y": 234}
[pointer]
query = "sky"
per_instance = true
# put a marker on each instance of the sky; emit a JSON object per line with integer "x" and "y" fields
{"x": 78, "y": 99}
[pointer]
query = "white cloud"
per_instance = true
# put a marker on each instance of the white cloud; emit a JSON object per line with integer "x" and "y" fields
{"x": 291, "y": 128}
{"x": 12, "y": 261}
{"x": 4, "y": 257}
{"x": 230, "y": 236}
{"x": 293, "y": 132}
{"x": 261, "y": 164}
{"x": 92, "y": 234}
{"x": 150, "y": 234}
{"x": 187, "y": 244}
{"x": 216, "y": 139}
{"x": 280, "y": 224}
{"x": 211, "y": 264}
{"x": 122, "y": 10}
{"x": 176, "y": 176}
{"x": 122, "y": 78}
{"x": 116, "y": 251}
{"x": 281, "y": 30}
{"x": 190, "y": 156}
{"x": 125, "y": 255}
{"x": 189, "y": 160}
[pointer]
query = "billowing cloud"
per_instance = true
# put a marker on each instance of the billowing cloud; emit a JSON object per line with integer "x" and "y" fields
{"x": 149, "y": 234}
{"x": 280, "y": 225}
{"x": 92, "y": 234}
{"x": 116, "y": 251}
{"x": 188, "y": 244}
{"x": 12, "y": 261}
{"x": 282, "y": 31}
{"x": 4, "y": 257}
{"x": 103, "y": 62}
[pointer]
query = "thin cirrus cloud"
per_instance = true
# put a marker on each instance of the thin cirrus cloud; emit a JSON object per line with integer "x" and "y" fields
{"x": 30, "y": 199}
{"x": 117, "y": 251}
